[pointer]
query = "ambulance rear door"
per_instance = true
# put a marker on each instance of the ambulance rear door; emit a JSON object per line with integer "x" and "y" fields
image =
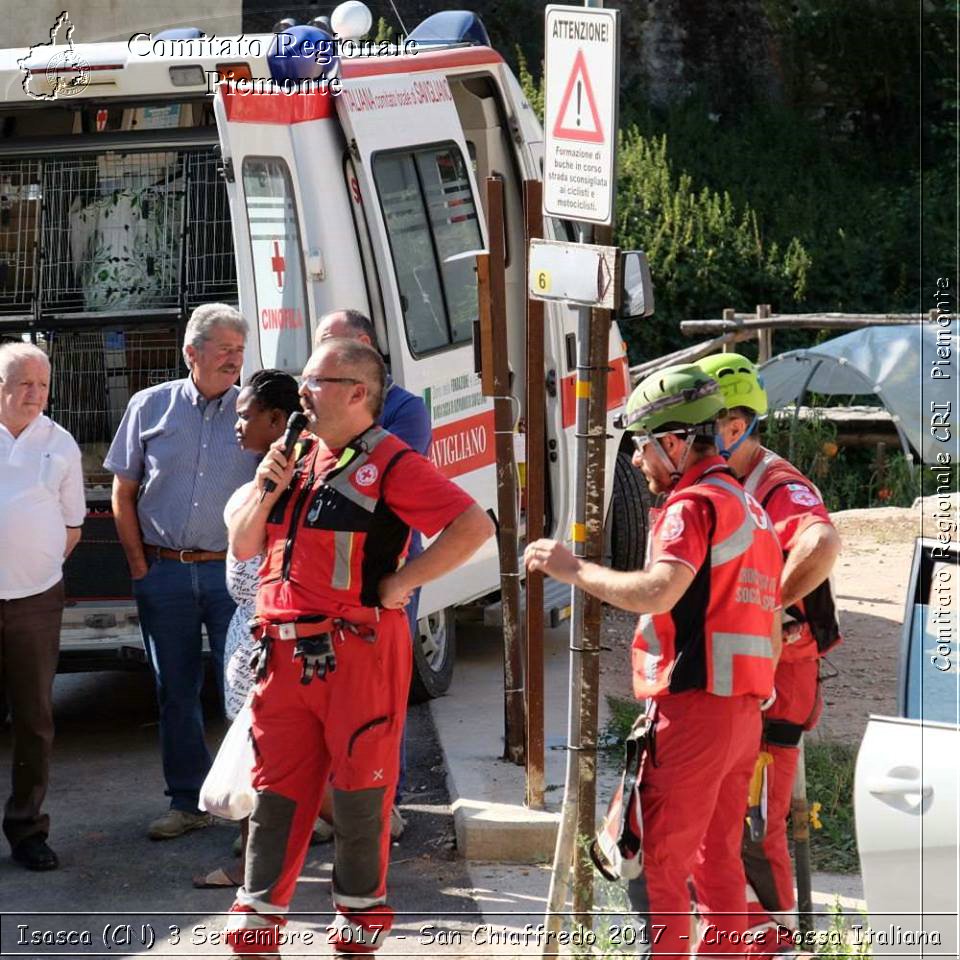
{"x": 267, "y": 215}
{"x": 420, "y": 200}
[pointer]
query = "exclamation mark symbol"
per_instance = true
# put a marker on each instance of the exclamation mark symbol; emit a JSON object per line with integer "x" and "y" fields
{"x": 579, "y": 87}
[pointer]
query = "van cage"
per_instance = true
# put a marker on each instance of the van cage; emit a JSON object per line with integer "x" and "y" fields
{"x": 90, "y": 235}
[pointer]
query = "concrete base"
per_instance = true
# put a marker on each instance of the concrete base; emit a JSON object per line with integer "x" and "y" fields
{"x": 504, "y": 832}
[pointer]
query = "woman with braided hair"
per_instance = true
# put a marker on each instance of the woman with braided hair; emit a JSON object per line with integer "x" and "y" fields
{"x": 263, "y": 407}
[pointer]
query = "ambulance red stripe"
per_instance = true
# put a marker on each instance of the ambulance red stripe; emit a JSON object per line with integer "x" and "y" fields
{"x": 464, "y": 445}
{"x": 279, "y": 108}
{"x": 419, "y": 62}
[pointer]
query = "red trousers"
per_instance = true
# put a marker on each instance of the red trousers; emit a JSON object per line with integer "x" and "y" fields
{"x": 343, "y": 730}
{"x": 767, "y": 862}
{"x": 692, "y": 801}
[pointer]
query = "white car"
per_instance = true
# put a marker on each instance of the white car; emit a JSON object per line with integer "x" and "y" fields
{"x": 907, "y": 789}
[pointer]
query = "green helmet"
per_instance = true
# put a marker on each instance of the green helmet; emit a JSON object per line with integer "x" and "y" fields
{"x": 739, "y": 381}
{"x": 682, "y": 395}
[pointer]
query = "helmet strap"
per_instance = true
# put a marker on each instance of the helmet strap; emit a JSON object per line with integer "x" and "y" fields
{"x": 682, "y": 465}
{"x": 676, "y": 471}
{"x": 728, "y": 452}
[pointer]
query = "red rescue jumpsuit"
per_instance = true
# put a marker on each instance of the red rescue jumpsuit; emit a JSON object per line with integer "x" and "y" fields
{"x": 707, "y": 664}
{"x": 810, "y": 629}
{"x": 342, "y": 525}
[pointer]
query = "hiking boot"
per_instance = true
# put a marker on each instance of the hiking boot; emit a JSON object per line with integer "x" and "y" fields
{"x": 175, "y": 823}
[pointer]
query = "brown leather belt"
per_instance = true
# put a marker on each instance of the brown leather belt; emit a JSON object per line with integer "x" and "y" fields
{"x": 184, "y": 556}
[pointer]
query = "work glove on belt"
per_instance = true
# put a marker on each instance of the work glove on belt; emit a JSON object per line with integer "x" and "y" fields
{"x": 317, "y": 656}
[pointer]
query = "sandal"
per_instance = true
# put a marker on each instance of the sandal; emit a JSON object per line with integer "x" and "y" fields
{"x": 216, "y": 880}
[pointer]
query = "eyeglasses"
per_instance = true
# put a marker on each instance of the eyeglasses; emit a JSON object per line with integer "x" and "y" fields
{"x": 315, "y": 383}
{"x": 641, "y": 440}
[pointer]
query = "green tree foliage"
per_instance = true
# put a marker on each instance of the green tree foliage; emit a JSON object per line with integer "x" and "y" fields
{"x": 706, "y": 252}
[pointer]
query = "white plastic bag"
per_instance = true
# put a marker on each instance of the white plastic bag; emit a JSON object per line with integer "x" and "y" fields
{"x": 228, "y": 790}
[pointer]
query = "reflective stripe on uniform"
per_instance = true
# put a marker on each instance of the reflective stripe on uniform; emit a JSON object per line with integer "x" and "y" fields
{"x": 654, "y": 651}
{"x": 346, "y": 489}
{"x": 751, "y": 483}
{"x": 263, "y": 907}
{"x": 342, "y": 550}
{"x": 741, "y": 539}
{"x": 724, "y": 647}
{"x": 341, "y": 482}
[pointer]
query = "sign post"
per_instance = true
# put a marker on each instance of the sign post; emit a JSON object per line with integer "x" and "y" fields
{"x": 580, "y": 118}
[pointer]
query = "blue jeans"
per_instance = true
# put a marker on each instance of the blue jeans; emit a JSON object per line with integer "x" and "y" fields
{"x": 412, "y": 621}
{"x": 174, "y": 599}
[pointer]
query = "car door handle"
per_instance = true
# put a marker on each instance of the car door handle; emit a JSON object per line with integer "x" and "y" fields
{"x": 894, "y": 786}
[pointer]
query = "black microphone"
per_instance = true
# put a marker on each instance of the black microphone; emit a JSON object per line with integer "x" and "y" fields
{"x": 295, "y": 426}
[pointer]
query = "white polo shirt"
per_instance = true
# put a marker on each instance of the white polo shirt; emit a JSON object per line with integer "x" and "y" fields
{"x": 41, "y": 494}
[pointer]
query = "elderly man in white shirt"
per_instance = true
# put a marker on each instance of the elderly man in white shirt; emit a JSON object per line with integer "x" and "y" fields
{"x": 41, "y": 511}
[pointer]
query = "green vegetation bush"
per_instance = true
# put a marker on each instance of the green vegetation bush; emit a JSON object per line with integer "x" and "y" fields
{"x": 705, "y": 250}
{"x": 847, "y": 478}
{"x": 830, "y": 768}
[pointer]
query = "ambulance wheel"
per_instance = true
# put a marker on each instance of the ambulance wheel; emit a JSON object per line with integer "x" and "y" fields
{"x": 627, "y": 518}
{"x": 434, "y": 650}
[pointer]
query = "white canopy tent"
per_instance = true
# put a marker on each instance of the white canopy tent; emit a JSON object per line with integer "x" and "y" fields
{"x": 897, "y": 364}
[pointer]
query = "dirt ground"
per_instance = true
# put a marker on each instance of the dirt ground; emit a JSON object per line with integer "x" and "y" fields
{"x": 870, "y": 581}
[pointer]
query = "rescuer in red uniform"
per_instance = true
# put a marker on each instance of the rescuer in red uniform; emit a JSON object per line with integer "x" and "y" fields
{"x": 810, "y": 548}
{"x": 704, "y": 652}
{"x": 335, "y": 667}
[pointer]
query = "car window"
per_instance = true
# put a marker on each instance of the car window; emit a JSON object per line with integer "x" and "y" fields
{"x": 432, "y": 224}
{"x": 932, "y": 657}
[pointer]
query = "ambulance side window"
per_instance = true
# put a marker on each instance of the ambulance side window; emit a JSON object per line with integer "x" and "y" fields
{"x": 277, "y": 258}
{"x": 431, "y": 219}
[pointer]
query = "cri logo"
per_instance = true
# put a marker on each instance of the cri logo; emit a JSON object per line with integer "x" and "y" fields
{"x": 367, "y": 474}
{"x": 756, "y": 511}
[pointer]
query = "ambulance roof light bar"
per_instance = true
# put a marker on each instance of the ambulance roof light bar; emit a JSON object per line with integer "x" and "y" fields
{"x": 449, "y": 28}
{"x": 302, "y": 53}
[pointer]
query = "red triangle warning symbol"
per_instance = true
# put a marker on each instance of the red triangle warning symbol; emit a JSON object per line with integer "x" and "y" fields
{"x": 573, "y": 120}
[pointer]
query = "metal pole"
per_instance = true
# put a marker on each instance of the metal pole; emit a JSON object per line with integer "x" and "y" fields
{"x": 571, "y": 818}
{"x": 535, "y": 497}
{"x": 589, "y": 694}
{"x": 567, "y": 833}
{"x": 800, "y": 824}
{"x": 503, "y": 411}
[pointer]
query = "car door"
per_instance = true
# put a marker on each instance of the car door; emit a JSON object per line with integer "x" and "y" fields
{"x": 267, "y": 215}
{"x": 907, "y": 783}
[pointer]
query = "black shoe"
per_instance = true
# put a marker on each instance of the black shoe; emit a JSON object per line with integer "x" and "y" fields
{"x": 34, "y": 854}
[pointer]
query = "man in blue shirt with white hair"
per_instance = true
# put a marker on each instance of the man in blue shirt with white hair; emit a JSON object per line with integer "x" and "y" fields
{"x": 176, "y": 461}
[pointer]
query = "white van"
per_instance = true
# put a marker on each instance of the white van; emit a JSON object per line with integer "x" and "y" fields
{"x": 372, "y": 199}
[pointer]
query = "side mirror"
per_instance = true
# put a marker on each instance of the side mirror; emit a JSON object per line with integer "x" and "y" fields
{"x": 636, "y": 296}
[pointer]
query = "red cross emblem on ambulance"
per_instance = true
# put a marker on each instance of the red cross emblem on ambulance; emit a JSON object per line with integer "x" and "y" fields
{"x": 278, "y": 265}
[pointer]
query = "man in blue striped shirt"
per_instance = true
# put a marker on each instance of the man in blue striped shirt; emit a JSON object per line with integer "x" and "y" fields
{"x": 176, "y": 461}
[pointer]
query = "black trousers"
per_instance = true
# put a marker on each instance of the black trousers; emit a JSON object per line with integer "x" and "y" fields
{"x": 29, "y": 646}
